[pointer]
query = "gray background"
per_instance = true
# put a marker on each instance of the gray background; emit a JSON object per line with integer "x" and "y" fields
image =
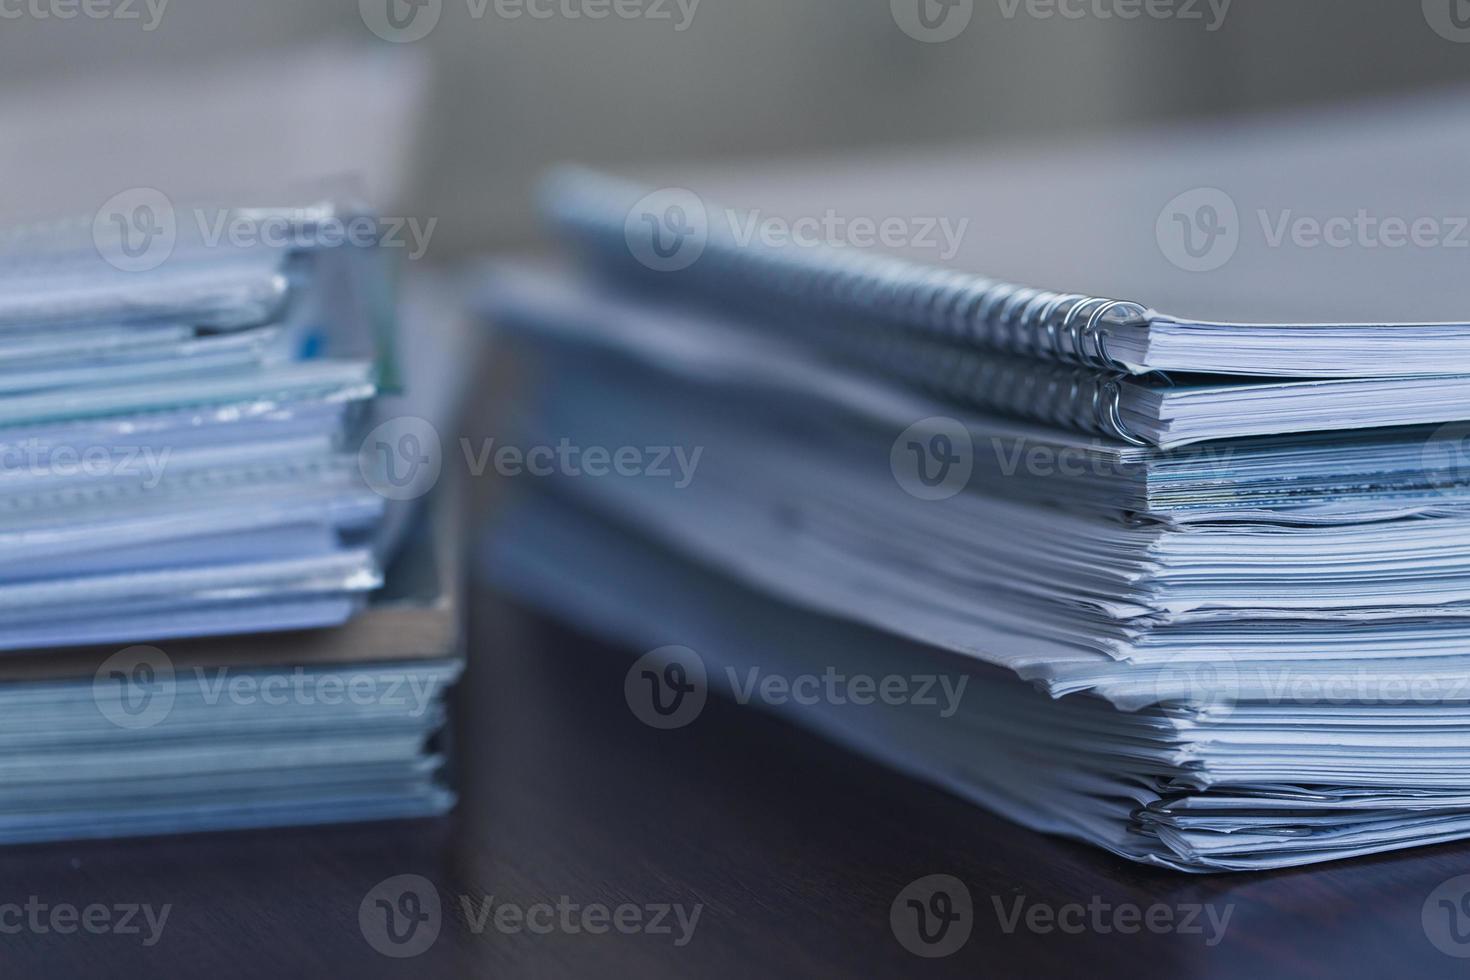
{"x": 750, "y": 79}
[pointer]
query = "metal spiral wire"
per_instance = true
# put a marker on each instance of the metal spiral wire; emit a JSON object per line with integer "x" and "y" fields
{"x": 1077, "y": 398}
{"x": 939, "y": 324}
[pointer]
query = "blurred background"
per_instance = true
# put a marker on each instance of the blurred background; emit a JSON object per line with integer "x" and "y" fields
{"x": 509, "y": 93}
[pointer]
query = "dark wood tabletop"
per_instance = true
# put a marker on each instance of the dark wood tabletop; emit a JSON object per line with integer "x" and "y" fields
{"x": 792, "y": 851}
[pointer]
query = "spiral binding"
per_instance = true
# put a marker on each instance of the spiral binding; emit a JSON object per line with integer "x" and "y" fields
{"x": 941, "y": 316}
{"x": 1079, "y": 398}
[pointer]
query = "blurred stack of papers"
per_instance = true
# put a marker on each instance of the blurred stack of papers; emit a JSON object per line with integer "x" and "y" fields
{"x": 311, "y": 727}
{"x": 176, "y": 460}
{"x": 1213, "y": 619}
{"x": 180, "y": 423}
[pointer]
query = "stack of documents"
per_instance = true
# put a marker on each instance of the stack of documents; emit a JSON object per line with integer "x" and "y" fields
{"x": 220, "y": 746}
{"x": 180, "y": 423}
{"x": 175, "y": 455}
{"x": 311, "y": 727}
{"x": 1196, "y": 587}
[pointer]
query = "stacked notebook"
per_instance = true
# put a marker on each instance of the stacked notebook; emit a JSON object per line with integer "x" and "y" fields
{"x": 1200, "y": 581}
{"x": 179, "y": 460}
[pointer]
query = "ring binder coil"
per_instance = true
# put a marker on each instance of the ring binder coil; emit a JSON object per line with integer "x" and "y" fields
{"x": 1080, "y": 398}
{"x": 1083, "y": 391}
{"x": 947, "y": 304}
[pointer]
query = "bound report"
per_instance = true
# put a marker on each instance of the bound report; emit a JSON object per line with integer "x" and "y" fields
{"x": 1246, "y": 653}
{"x": 1225, "y": 290}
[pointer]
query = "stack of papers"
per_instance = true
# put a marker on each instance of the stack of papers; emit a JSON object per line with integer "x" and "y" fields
{"x": 1210, "y": 619}
{"x": 219, "y": 748}
{"x": 180, "y": 459}
{"x": 174, "y": 452}
{"x": 1203, "y": 781}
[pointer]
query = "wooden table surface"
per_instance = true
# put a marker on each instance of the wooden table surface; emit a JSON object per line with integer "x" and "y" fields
{"x": 793, "y": 850}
